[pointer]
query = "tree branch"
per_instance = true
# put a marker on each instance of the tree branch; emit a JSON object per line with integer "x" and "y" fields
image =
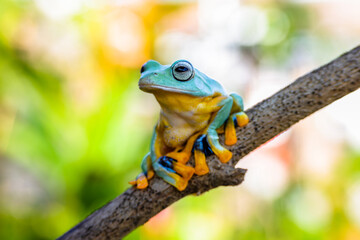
{"x": 268, "y": 118}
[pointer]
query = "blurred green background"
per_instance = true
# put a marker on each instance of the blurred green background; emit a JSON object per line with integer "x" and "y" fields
{"x": 74, "y": 126}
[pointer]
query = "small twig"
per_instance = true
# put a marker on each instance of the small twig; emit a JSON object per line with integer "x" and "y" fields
{"x": 267, "y": 119}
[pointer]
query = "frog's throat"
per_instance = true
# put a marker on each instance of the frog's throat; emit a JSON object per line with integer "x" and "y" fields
{"x": 154, "y": 87}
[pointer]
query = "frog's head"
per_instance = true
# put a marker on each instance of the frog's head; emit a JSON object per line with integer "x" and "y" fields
{"x": 180, "y": 77}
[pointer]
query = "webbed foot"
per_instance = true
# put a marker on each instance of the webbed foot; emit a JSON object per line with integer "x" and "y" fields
{"x": 141, "y": 181}
{"x": 173, "y": 172}
{"x": 206, "y": 145}
{"x": 222, "y": 153}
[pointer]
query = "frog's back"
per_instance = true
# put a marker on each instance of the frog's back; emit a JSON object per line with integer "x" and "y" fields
{"x": 211, "y": 86}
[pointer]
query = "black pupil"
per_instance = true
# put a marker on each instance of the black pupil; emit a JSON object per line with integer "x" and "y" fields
{"x": 142, "y": 69}
{"x": 181, "y": 69}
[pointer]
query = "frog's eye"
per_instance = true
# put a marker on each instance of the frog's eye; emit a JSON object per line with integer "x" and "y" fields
{"x": 182, "y": 70}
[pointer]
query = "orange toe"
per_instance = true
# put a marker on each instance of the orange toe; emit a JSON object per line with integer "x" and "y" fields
{"x": 201, "y": 167}
{"x": 150, "y": 174}
{"x": 242, "y": 119}
{"x": 230, "y": 133}
{"x": 142, "y": 182}
{"x": 181, "y": 184}
{"x": 185, "y": 171}
{"x": 225, "y": 156}
{"x": 181, "y": 157}
{"x": 133, "y": 182}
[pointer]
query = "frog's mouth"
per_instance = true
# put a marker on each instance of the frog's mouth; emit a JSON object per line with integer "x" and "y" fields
{"x": 151, "y": 87}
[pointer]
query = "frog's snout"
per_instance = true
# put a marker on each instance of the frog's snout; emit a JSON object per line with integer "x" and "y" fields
{"x": 148, "y": 71}
{"x": 146, "y": 82}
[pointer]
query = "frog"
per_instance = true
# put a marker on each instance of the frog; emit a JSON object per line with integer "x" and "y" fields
{"x": 194, "y": 110}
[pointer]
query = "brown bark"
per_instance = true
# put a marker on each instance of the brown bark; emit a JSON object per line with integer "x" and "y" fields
{"x": 268, "y": 118}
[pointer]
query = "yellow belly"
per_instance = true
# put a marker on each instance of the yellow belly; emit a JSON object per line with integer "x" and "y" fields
{"x": 182, "y": 116}
{"x": 177, "y": 136}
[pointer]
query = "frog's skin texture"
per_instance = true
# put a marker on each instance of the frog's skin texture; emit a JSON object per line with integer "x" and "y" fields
{"x": 194, "y": 109}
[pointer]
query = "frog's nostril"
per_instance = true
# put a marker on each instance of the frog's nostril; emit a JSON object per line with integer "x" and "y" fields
{"x": 155, "y": 74}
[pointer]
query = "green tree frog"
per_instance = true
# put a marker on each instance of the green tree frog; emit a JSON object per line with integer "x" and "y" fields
{"x": 194, "y": 109}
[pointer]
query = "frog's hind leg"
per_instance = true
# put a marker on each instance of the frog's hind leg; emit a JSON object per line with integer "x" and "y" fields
{"x": 168, "y": 168}
{"x": 183, "y": 154}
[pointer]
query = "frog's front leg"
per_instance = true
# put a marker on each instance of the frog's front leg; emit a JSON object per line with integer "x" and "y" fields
{"x": 208, "y": 142}
{"x": 236, "y": 118}
{"x": 147, "y": 173}
{"x": 219, "y": 118}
